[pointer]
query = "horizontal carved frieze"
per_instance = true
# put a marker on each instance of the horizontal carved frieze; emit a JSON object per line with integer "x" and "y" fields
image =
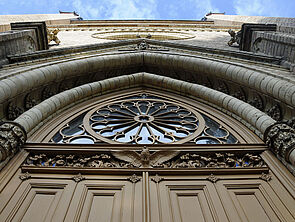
{"x": 181, "y": 160}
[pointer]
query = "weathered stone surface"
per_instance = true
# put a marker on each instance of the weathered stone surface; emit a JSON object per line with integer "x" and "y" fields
{"x": 12, "y": 137}
{"x": 280, "y": 138}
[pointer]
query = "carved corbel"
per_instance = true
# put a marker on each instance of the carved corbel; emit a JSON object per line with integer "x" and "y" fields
{"x": 12, "y": 137}
{"x": 280, "y": 138}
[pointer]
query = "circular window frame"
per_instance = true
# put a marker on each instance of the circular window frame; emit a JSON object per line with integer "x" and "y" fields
{"x": 238, "y": 130}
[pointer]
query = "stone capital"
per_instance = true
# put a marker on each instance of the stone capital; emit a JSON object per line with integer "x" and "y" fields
{"x": 12, "y": 138}
{"x": 280, "y": 138}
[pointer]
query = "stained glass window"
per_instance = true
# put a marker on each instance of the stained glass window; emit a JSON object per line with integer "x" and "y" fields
{"x": 143, "y": 119}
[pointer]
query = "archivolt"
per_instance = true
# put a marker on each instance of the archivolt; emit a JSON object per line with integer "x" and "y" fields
{"x": 247, "y": 114}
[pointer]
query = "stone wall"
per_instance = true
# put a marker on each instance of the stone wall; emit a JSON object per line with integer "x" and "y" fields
{"x": 276, "y": 44}
{"x": 16, "y": 42}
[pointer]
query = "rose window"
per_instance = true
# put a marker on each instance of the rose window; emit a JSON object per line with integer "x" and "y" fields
{"x": 143, "y": 120}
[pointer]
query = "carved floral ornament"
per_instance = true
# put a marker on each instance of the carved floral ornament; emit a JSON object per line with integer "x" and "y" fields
{"x": 143, "y": 119}
{"x": 147, "y": 159}
{"x": 12, "y": 137}
{"x": 280, "y": 138}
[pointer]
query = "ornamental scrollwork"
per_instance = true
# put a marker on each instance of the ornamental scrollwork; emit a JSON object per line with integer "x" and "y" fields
{"x": 158, "y": 159}
{"x": 216, "y": 160}
{"x": 101, "y": 160}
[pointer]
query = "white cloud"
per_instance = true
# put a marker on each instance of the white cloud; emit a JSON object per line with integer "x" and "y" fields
{"x": 116, "y": 9}
{"x": 255, "y": 7}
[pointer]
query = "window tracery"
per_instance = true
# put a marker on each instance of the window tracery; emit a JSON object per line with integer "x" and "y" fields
{"x": 143, "y": 119}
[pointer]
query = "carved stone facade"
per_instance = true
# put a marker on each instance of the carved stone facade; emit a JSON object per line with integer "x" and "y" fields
{"x": 150, "y": 123}
{"x": 12, "y": 138}
{"x": 159, "y": 159}
{"x": 280, "y": 138}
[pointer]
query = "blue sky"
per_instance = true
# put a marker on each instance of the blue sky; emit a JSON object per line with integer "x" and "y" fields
{"x": 150, "y": 9}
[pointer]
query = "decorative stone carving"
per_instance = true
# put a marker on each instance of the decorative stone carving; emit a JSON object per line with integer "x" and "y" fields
{"x": 257, "y": 102}
{"x": 157, "y": 178}
{"x": 65, "y": 85}
{"x": 240, "y": 94}
{"x": 134, "y": 178}
{"x": 280, "y": 138}
{"x": 101, "y": 160}
{"x": 29, "y": 102}
{"x": 158, "y": 159}
{"x": 291, "y": 123}
{"x": 143, "y": 45}
{"x": 24, "y": 176}
{"x": 275, "y": 112}
{"x": 222, "y": 87}
{"x": 78, "y": 178}
{"x": 47, "y": 93}
{"x": 257, "y": 44}
{"x": 52, "y": 36}
{"x": 213, "y": 178}
{"x": 265, "y": 177}
{"x": 145, "y": 159}
{"x": 235, "y": 37}
{"x": 208, "y": 83}
{"x": 12, "y": 137}
{"x": 13, "y": 111}
{"x": 216, "y": 160}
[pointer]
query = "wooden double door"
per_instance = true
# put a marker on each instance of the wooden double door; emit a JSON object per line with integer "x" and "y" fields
{"x": 144, "y": 196}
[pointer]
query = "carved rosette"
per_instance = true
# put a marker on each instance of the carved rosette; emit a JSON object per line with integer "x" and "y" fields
{"x": 12, "y": 137}
{"x": 280, "y": 138}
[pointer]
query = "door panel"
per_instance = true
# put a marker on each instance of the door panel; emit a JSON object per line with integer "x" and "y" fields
{"x": 108, "y": 200}
{"x": 185, "y": 200}
{"x": 252, "y": 200}
{"x": 166, "y": 198}
{"x": 39, "y": 200}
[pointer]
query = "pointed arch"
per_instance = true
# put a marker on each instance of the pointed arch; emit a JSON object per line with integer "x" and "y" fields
{"x": 49, "y": 108}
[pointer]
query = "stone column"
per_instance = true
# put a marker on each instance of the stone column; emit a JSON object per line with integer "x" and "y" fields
{"x": 12, "y": 138}
{"x": 280, "y": 138}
